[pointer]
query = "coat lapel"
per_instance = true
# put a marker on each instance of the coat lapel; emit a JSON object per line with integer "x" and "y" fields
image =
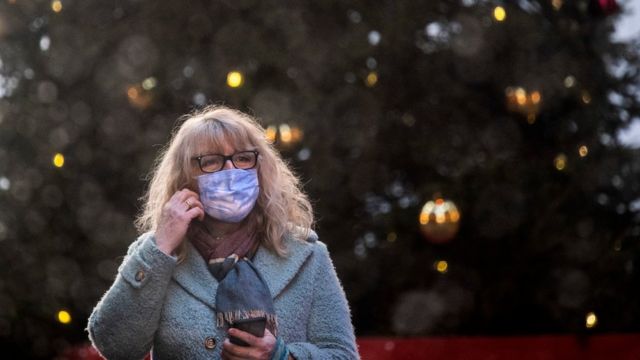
{"x": 277, "y": 271}
{"x": 194, "y": 276}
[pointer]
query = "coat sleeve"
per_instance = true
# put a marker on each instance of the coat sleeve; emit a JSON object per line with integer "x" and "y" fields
{"x": 330, "y": 332}
{"x": 123, "y": 323}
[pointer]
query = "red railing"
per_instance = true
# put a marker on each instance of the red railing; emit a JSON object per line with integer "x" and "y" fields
{"x": 547, "y": 347}
{"x": 601, "y": 347}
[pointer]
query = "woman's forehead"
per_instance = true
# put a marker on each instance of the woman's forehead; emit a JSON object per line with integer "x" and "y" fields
{"x": 224, "y": 146}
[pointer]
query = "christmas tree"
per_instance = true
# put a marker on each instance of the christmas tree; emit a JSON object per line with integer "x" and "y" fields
{"x": 462, "y": 156}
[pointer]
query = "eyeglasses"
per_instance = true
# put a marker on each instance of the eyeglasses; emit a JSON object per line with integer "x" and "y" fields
{"x": 244, "y": 160}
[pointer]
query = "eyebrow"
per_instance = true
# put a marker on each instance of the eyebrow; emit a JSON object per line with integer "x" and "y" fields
{"x": 253, "y": 148}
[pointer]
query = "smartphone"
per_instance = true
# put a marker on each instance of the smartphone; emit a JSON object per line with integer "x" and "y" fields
{"x": 253, "y": 326}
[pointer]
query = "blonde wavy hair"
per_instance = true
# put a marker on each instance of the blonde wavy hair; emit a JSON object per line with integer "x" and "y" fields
{"x": 282, "y": 208}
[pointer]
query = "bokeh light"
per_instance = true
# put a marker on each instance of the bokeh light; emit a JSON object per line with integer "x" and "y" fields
{"x": 271, "y": 132}
{"x": 371, "y": 79}
{"x": 235, "y": 79}
{"x": 557, "y": 4}
{"x": 149, "y": 83}
{"x": 521, "y": 96}
{"x": 58, "y": 160}
{"x": 5, "y": 183}
{"x": 569, "y": 81}
{"x": 441, "y": 266}
{"x": 45, "y": 43}
{"x": 591, "y": 320}
{"x": 139, "y": 97}
{"x": 374, "y": 37}
{"x": 499, "y": 13}
{"x": 527, "y": 103}
{"x": 284, "y": 135}
{"x": 583, "y": 150}
{"x": 64, "y": 317}
{"x": 56, "y": 6}
{"x": 535, "y": 97}
{"x": 560, "y": 162}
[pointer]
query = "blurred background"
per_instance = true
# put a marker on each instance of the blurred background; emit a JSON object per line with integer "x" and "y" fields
{"x": 474, "y": 165}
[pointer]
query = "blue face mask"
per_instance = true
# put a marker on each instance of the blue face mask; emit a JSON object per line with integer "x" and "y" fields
{"x": 229, "y": 195}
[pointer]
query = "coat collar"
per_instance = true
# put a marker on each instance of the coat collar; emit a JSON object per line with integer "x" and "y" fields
{"x": 194, "y": 276}
{"x": 279, "y": 271}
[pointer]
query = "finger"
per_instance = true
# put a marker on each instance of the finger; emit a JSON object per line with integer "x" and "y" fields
{"x": 244, "y": 336}
{"x": 193, "y": 202}
{"x": 181, "y": 195}
{"x": 235, "y": 350}
{"x": 198, "y": 204}
{"x": 179, "y": 206}
{"x": 183, "y": 198}
{"x": 188, "y": 203}
{"x": 195, "y": 212}
{"x": 188, "y": 192}
{"x": 227, "y": 356}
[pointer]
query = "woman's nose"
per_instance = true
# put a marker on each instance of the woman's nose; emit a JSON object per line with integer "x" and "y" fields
{"x": 228, "y": 165}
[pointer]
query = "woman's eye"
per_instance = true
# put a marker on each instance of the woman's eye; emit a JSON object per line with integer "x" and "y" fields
{"x": 210, "y": 161}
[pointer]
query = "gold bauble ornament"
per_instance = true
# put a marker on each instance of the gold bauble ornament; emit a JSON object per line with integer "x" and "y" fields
{"x": 439, "y": 220}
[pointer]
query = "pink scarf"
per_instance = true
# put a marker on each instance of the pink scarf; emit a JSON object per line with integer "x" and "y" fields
{"x": 242, "y": 242}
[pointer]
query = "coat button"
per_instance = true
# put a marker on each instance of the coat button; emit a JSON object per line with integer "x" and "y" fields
{"x": 139, "y": 275}
{"x": 210, "y": 343}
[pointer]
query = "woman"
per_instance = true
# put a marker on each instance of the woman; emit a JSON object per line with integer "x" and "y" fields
{"x": 228, "y": 266}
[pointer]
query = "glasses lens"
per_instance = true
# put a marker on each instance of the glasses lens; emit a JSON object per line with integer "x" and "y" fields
{"x": 244, "y": 160}
{"x": 211, "y": 163}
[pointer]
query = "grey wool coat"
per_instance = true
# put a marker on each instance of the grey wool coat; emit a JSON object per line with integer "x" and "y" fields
{"x": 158, "y": 305}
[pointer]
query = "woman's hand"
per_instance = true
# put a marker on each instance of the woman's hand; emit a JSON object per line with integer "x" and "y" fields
{"x": 259, "y": 347}
{"x": 177, "y": 213}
